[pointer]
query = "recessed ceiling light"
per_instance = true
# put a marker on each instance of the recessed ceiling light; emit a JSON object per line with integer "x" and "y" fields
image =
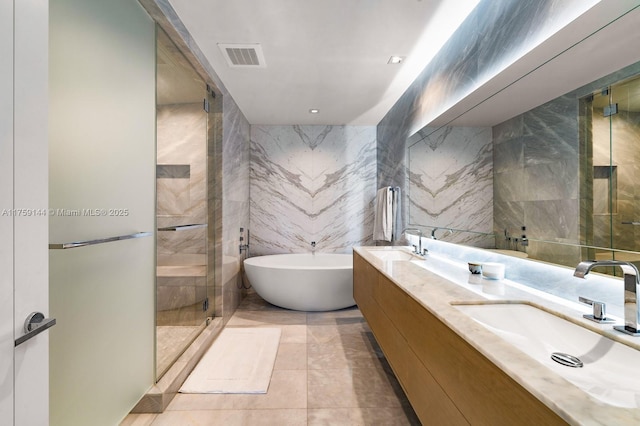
{"x": 395, "y": 60}
{"x": 314, "y": 111}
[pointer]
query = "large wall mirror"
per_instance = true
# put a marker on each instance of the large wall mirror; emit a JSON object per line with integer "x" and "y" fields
{"x": 557, "y": 181}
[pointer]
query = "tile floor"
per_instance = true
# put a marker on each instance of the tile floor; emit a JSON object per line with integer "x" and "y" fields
{"x": 329, "y": 371}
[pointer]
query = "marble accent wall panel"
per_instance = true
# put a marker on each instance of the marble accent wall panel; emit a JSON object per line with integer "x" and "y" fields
{"x": 235, "y": 203}
{"x": 451, "y": 182}
{"x": 312, "y": 183}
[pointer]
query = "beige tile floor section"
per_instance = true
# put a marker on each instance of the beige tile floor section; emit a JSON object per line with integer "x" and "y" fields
{"x": 329, "y": 371}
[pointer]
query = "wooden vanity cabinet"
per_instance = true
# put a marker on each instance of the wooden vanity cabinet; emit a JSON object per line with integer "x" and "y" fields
{"x": 447, "y": 381}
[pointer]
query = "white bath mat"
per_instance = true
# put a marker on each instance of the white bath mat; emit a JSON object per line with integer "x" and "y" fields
{"x": 239, "y": 361}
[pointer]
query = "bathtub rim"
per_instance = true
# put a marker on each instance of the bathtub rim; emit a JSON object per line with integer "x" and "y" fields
{"x": 261, "y": 261}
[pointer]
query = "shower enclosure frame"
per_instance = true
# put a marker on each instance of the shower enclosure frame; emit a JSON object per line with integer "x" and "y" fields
{"x": 205, "y": 293}
{"x": 609, "y": 223}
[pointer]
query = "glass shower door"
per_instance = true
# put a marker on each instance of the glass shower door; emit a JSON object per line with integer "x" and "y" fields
{"x": 613, "y": 136}
{"x": 604, "y": 174}
{"x": 624, "y": 115}
{"x": 182, "y": 303}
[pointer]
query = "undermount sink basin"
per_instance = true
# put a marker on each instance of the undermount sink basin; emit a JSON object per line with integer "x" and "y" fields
{"x": 393, "y": 254}
{"x": 610, "y": 371}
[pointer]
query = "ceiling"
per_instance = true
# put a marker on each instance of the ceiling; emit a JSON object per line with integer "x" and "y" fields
{"x": 333, "y": 56}
{"x": 329, "y": 55}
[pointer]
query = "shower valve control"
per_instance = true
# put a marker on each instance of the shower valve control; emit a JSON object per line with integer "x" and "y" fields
{"x": 244, "y": 246}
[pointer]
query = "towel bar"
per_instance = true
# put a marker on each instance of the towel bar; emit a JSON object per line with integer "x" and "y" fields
{"x": 75, "y": 244}
{"x": 183, "y": 227}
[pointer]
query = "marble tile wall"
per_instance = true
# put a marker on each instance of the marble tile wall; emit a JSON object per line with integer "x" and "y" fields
{"x": 536, "y": 178}
{"x": 214, "y": 210}
{"x": 235, "y": 204}
{"x": 537, "y": 171}
{"x": 494, "y": 34}
{"x": 451, "y": 182}
{"x": 311, "y": 183}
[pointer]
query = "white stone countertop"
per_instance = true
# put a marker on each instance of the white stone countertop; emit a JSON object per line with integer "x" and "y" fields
{"x": 446, "y": 282}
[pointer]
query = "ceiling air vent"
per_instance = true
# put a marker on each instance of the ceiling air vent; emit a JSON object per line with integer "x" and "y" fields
{"x": 243, "y": 55}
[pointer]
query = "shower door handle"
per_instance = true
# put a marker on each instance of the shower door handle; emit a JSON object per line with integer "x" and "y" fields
{"x": 35, "y": 324}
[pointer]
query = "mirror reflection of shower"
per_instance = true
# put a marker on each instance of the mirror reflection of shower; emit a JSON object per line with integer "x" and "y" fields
{"x": 612, "y": 130}
{"x": 182, "y": 299}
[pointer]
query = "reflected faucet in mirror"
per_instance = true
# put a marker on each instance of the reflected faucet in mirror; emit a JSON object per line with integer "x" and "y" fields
{"x": 631, "y": 281}
{"x": 433, "y": 232}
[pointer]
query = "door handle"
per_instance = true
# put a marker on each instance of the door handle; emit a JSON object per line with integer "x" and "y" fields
{"x": 35, "y": 324}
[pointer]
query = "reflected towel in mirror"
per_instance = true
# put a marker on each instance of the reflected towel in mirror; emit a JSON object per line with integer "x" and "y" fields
{"x": 385, "y": 214}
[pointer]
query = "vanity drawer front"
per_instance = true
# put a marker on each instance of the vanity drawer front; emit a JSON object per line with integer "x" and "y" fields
{"x": 482, "y": 392}
{"x": 384, "y": 306}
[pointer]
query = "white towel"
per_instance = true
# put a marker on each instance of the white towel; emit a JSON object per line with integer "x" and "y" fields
{"x": 383, "y": 217}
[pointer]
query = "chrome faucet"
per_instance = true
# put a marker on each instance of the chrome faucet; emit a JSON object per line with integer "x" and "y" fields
{"x": 417, "y": 249}
{"x": 433, "y": 232}
{"x": 631, "y": 282}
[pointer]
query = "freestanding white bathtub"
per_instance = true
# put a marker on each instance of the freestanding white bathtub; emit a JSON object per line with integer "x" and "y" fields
{"x": 303, "y": 282}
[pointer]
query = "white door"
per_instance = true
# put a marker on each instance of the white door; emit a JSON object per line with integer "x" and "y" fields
{"x": 24, "y": 369}
{"x": 6, "y": 223}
